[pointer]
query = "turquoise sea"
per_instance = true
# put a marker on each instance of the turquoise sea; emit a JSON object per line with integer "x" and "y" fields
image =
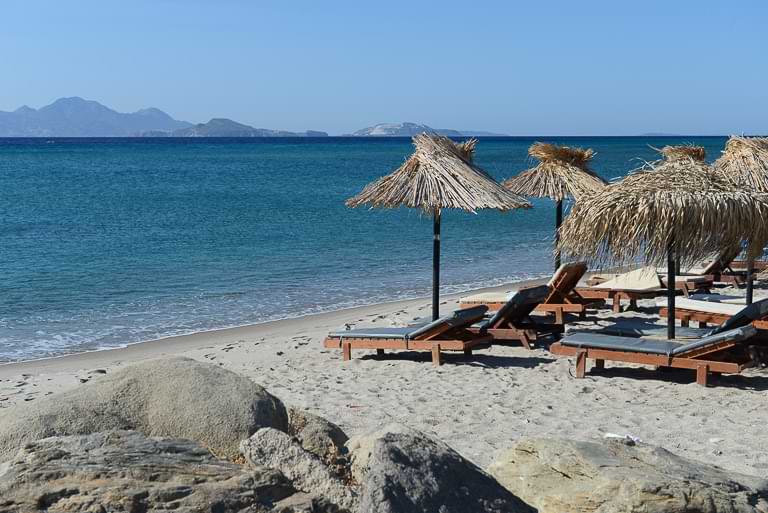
{"x": 106, "y": 242}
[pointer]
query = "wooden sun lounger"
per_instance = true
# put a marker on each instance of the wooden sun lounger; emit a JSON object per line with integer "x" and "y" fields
{"x": 723, "y": 352}
{"x": 686, "y": 285}
{"x": 704, "y": 314}
{"x": 562, "y": 297}
{"x": 721, "y": 270}
{"x": 449, "y": 333}
{"x": 512, "y": 322}
{"x": 757, "y": 265}
{"x": 615, "y": 296}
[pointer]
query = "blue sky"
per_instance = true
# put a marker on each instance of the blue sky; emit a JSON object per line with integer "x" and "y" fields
{"x": 533, "y": 68}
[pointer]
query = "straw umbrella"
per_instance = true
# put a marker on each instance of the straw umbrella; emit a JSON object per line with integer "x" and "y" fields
{"x": 563, "y": 172}
{"x": 440, "y": 174}
{"x": 745, "y": 162}
{"x": 675, "y": 207}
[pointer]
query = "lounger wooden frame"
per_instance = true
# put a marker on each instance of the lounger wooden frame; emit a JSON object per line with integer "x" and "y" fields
{"x": 685, "y": 316}
{"x": 702, "y": 360}
{"x": 441, "y": 338}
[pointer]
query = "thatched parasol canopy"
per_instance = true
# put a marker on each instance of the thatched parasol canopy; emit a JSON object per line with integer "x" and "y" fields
{"x": 675, "y": 208}
{"x": 562, "y": 172}
{"x": 680, "y": 199}
{"x": 745, "y": 162}
{"x": 440, "y": 174}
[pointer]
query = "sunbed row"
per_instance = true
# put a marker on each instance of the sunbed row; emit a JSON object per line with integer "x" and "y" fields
{"x": 724, "y": 349}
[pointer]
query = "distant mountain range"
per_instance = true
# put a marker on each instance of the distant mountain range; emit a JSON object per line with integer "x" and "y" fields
{"x": 410, "y": 129}
{"x": 76, "y": 117}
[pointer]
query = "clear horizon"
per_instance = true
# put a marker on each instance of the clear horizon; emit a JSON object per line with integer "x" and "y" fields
{"x": 557, "y": 68}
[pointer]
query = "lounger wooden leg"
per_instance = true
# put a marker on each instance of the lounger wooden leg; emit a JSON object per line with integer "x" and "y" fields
{"x": 379, "y": 352}
{"x": 468, "y": 352}
{"x": 559, "y": 317}
{"x": 702, "y": 324}
{"x": 581, "y": 364}
{"x": 436, "y": 355}
{"x": 633, "y": 304}
{"x": 525, "y": 339}
{"x": 616, "y": 303}
{"x": 600, "y": 364}
{"x": 685, "y": 321}
{"x": 702, "y": 372}
{"x": 346, "y": 351}
{"x": 583, "y": 314}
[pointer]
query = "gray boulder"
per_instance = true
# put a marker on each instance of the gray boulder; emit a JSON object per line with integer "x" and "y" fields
{"x": 410, "y": 473}
{"x": 126, "y": 471}
{"x": 361, "y": 447}
{"x": 321, "y": 437}
{"x": 174, "y": 397}
{"x": 621, "y": 476}
{"x": 277, "y": 450}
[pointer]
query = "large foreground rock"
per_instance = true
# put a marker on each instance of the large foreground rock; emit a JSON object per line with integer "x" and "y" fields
{"x": 174, "y": 397}
{"x": 126, "y": 471}
{"x": 410, "y": 473}
{"x": 610, "y": 476}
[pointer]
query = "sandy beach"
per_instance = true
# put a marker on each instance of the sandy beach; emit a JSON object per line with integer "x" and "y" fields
{"x": 478, "y": 405}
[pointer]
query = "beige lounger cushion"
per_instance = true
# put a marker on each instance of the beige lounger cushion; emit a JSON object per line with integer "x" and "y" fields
{"x": 641, "y": 279}
{"x": 703, "y": 306}
{"x": 488, "y": 297}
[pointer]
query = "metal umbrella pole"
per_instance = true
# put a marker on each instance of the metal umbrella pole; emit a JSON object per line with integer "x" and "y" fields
{"x": 436, "y": 266}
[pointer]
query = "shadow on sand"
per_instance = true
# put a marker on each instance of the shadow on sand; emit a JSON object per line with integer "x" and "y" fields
{"x": 681, "y": 376}
{"x": 478, "y": 359}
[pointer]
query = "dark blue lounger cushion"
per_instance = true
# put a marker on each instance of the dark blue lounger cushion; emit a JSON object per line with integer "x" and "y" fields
{"x": 456, "y": 319}
{"x": 651, "y": 346}
{"x": 519, "y": 305}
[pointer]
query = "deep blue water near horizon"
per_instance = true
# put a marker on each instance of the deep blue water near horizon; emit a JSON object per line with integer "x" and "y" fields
{"x": 105, "y": 242}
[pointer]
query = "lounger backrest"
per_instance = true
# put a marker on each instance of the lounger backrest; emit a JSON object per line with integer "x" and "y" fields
{"x": 735, "y": 335}
{"x": 567, "y": 277}
{"x": 746, "y": 316}
{"x": 722, "y": 261}
{"x": 520, "y": 305}
{"x": 458, "y": 319}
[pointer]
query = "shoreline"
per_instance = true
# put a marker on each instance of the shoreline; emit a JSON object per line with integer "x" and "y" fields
{"x": 175, "y": 344}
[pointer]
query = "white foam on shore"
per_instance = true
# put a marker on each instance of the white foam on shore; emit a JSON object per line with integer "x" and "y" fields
{"x": 71, "y": 344}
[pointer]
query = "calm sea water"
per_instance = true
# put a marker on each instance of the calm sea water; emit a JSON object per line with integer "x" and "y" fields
{"x": 108, "y": 242}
